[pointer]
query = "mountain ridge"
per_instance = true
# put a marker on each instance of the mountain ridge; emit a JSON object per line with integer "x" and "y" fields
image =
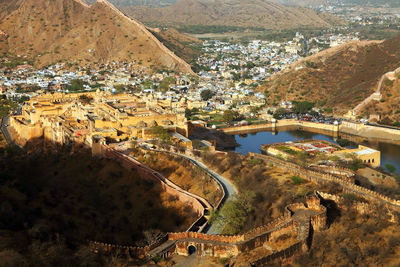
{"x": 249, "y": 13}
{"x": 337, "y": 79}
{"x": 58, "y": 30}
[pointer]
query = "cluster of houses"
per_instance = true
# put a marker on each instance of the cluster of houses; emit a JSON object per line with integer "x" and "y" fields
{"x": 229, "y": 71}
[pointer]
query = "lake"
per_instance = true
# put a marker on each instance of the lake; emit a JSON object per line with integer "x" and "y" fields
{"x": 251, "y": 142}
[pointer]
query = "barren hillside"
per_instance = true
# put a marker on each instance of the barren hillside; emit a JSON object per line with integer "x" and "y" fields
{"x": 8, "y": 6}
{"x": 338, "y": 78}
{"x": 184, "y": 46}
{"x": 389, "y": 105}
{"x": 55, "y": 30}
{"x": 249, "y": 13}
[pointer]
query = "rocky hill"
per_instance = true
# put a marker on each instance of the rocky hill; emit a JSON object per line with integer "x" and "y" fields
{"x": 388, "y": 107}
{"x": 119, "y": 3}
{"x": 337, "y": 79}
{"x": 56, "y": 30}
{"x": 8, "y": 6}
{"x": 304, "y": 3}
{"x": 184, "y": 46}
{"x": 239, "y": 13}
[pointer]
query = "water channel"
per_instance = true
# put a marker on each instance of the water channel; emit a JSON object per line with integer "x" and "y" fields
{"x": 251, "y": 142}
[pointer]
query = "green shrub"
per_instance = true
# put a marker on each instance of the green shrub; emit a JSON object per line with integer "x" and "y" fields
{"x": 296, "y": 179}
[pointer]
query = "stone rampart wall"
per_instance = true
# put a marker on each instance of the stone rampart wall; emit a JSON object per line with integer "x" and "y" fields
{"x": 318, "y": 177}
{"x": 26, "y": 131}
{"x": 280, "y": 124}
{"x": 360, "y": 206}
{"x": 249, "y": 128}
{"x": 206, "y": 237}
{"x": 280, "y": 255}
{"x": 132, "y": 251}
{"x": 334, "y": 170}
{"x": 352, "y": 128}
{"x": 369, "y": 131}
{"x": 268, "y": 227}
{"x": 215, "y": 182}
{"x": 307, "y": 173}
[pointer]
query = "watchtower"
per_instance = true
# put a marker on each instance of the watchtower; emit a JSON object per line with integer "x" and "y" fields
{"x": 97, "y": 143}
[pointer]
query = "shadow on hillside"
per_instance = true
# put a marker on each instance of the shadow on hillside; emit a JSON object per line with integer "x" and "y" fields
{"x": 63, "y": 192}
{"x": 333, "y": 212}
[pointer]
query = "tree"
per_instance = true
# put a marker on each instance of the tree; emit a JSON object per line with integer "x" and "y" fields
{"x": 233, "y": 215}
{"x": 266, "y": 93}
{"x": 76, "y": 85}
{"x": 279, "y": 112}
{"x": 165, "y": 83}
{"x": 356, "y": 164}
{"x": 160, "y": 133}
{"x": 391, "y": 168}
{"x": 188, "y": 113}
{"x": 147, "y": 84}
{"x": 250, "y": 65}
{"x": 302, "y": 107}
{"x": 235, "y": 76}
{"x": 119, "y": 88}
{"x": 229, "y": 115}
{"x": 206, "y": 94}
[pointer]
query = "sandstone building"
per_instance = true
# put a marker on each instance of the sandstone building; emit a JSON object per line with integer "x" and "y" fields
{"x": 67, "y": 118}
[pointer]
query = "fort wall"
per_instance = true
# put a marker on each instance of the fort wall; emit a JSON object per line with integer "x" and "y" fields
{"x": 198, "y": 204}
{"x": 226, "y": 246}
{"x": 24, "y": 130}
{"x": 318, "y": 177}
{"x": 347, "y": 127}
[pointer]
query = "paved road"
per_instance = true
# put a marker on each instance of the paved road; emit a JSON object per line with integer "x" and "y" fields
{"x": 229, "y": 188}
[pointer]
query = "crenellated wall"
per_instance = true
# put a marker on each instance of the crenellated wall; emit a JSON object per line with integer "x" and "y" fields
{"x": 296, "y": 219}
{"x": 347, "y": 183}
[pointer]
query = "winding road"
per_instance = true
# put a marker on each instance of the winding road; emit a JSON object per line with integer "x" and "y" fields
{"x": 229, "y": 189}
{"x": 4, "y": 124}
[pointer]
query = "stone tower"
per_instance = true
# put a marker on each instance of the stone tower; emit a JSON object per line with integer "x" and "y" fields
{"x": 97, "y": 142}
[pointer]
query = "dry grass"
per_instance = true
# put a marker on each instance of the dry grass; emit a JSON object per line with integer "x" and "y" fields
{"x": 181, "y": 172}
{"x": 272, "y": 187}
{"x": 84, "y": 198}
{"x": 67, "y": 30}
{"x": 338, "y": 78}
{"x": 355, "y": 240}
{"x": 388, "y": 107}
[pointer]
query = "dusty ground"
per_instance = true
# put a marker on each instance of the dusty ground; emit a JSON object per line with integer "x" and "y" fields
{"x": 376, "y": 177}
{"x": 338, "y": 78}
{"x": 192, "y": 261}
{"x": 184, "y": 174}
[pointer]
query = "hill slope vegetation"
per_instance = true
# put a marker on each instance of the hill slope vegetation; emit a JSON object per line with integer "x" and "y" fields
{"x": 336, "y": 79}
{"x": 56, "y": 30}
{"x": 249, "y": 13}
{"x": 51, "y": 204}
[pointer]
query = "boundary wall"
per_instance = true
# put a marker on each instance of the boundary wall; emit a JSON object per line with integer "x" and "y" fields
{"x": 223, "y": 245}
{"x": 199, "y": 204}
{"x": 347, "y": 127}
{"x": 318, "y": 177}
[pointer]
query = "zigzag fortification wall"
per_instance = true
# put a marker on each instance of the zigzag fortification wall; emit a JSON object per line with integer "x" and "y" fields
{"x": 348, "y": 184}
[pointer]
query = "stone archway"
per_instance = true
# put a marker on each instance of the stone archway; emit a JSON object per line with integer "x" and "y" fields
{"x": 191, "y": 250}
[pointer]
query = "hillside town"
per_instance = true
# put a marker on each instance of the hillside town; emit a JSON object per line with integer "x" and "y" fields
{"x": 228, "y": 74}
